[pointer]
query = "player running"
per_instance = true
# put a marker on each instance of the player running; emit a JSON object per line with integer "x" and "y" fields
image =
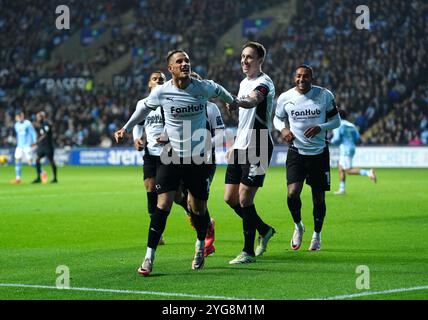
{"x": 25, "y": 140}
{"x": 347, "y": 136}
{"x": 303, "y": 116}
{"x": 45, "y": 147}
{"x": 183, "y": 101}
{"x": 254, "y": 145}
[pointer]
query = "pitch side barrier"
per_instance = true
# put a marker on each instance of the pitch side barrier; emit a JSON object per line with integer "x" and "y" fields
{"x": 378, "y": 157}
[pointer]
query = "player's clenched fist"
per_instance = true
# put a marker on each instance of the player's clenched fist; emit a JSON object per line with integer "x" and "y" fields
{"x": 287, "y": 135}
{"x": 119, "y": 135}
{"x": 139, "y": 144}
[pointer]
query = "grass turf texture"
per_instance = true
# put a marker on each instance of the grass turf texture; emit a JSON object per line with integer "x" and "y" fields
{"x": 95, "y": 222}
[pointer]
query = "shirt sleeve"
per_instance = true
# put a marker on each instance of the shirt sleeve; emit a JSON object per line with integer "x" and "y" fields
{"x": 137, "y": 132}
{"x": 331, "y": 109}
{"x": 214, "y": 90}
{"x": 140, "y": 113}
{"x": 263, "y": 88}
{"x": 33, "y": 133}
{"x": 280, "y": 112}
{"x": 153, "y": 100}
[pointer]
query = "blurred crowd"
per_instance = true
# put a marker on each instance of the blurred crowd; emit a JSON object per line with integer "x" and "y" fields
{"x": 28, "y": 35}
{"x": 377, "y": 75}
{"x": 371, "y": 72}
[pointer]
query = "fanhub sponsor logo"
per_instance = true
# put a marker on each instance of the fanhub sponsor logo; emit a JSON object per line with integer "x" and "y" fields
{"x": 187, "y": 109}
{"x": 307, "y": 112}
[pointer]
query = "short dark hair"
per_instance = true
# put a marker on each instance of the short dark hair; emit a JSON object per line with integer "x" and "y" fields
{"x": 157, "y": 71}
{"x": 172, "y": 52}
{"x": 258, "y": 47}
{"x": 307, "y": 67}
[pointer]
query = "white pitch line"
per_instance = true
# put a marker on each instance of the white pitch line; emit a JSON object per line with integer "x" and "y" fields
{"x": 369, "y": 293}
{"x": 151, "y": 293}
{"x": 195, "y": 296}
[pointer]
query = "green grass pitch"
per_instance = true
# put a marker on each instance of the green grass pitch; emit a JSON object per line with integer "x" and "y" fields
{"x": 95, "y": 222}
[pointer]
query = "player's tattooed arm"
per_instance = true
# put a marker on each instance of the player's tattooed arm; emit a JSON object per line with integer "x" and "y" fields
{"x": 251, "y": 100}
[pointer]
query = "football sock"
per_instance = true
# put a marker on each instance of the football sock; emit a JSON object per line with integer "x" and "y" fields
{"x": 200, "y": 223}
{"x": 199, "y": 244}
{"x": 299, "y": 226}
{"x": 54, "y": 170}
{"x": 18, "y": 169}
{"x": 38, "y": 169}
{"x": 157, "y": 227}
{"x": 150, "y": 254}
{"x": 261, "y": 227}
{"x": 295, "y": 205}
{"x": 319, "y": 215}
{"x": 316, "y": 235}
{"x": 238, "y": 210}
{"x": 152, "y": 199}
{"x": 342, "y": 186}
{"x": 249, "y": 226}
{"x": 364, "y": 172}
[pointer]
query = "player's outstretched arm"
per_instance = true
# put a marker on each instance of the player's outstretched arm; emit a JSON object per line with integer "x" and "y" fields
{"x": 139, "y": 115}
{"x": 251, "y": 101}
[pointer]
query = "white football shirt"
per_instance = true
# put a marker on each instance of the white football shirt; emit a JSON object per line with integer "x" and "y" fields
{"x": 154, "y": 127}
{"x": 259, "y": 117}
{"x": 215, "y": 119}
{"x": 304, "y": 111}
{"x": 185, "y": 112}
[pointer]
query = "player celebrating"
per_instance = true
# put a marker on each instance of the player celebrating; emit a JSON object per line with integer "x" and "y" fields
{"x": 347, "y": 136}
{"x": 183, "y": 101}
{"x": 244, "y": 178}
{"x": 26, "y": 140}
{"x": 153, "y": 126}
{"x": 45, "y": 146}
{"x": 303, "y": 115}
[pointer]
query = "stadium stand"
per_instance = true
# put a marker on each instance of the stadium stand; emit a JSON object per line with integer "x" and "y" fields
{"x": 377, "y": 75}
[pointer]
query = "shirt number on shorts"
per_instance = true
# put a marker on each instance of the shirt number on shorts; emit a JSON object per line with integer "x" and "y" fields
{"x": 327, "y": 175}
